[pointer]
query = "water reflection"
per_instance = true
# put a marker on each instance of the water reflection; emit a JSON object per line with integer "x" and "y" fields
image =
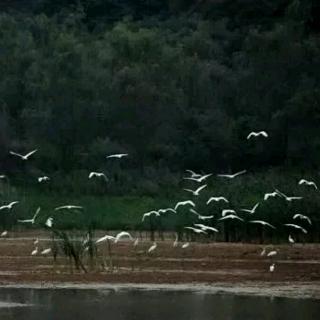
{"x": 60, "y": 304}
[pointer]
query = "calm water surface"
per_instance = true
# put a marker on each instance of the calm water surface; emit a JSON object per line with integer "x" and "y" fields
{"x": 74, "y": 304}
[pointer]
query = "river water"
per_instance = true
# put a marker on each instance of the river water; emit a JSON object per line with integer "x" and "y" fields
{"x": 85, "y": 304}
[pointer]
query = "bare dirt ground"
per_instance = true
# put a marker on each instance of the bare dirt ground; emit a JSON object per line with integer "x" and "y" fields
{"x": 224, "y": 265}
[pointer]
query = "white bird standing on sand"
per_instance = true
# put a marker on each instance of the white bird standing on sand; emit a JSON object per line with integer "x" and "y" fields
{"x": 175, "y": 243}
{"x": 263, "y": 252}
{"x": 231, "y": 216}
{"x": 270, "y": 195}
{"x": 122, "y": 234}
{"x": 272, "y": 253}
{"x": 196, "y": 192}
{"x": 136, "y": 242}
{"x": 43, "y": 179}
{"x": 68, "y": 207}
{"x": 184, "y": 203}
{"x": 9, "y": 206}
{"x": 232, "y": 176}
{"x": 302, "y": 217}
{"x": 193, "y": 174}
{"x": 118, "y": 155}
{"x": 226, "y": 211}
{"x": 296, "y": 227}
{"x": 288, "y": 198}
{"x": 253, "y": 210}
{"x": 4, "y": 233}
{"x": 205, "y": 228}
{"x": 153, "y": 247}
{"x": 35, "y": 251}
{"x": 32, "y": 221}
{"x": 185, "y": 245}
{"x": 308, "y": 183}
{"x": 200, "y": 217}
{"x": 49, "y": 222}
{"x": 272, "y": 267}
{"x": 196, "y": 230}
{"x": 148, "y": 214}
{"x": 98, "y": 175}
{"x": 46, "y": 251}
{"x": 290, "y": 239}
{"x": 257, "y": 134}
{"x": 199, "y": 179}
{"x": 218, "y": 199}
{"x": 106, "y": 237}
{"x": 264, "y": 223}
{"x": 23, "y": 157}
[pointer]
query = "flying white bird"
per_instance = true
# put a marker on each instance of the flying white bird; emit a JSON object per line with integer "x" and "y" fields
{"x": 167, "y": 210}
{"x": 106, "y": 237}
{"x": 4, "y": 234}
{"x": 148, "y": 214}
{"x": 296, "y": 227}
{"x": 184, "y": 203}
{"x": 302, "y": 217}
{"x": 205, "y": 228}
{"x": 270, "y": 195}
{"x": 118, "y": 155}
{"x": 231, "y": 176}
{"x": 43, "y": 179}
{"x": 231, "y": 216}
{"x": 226, "y": 211}
{"x": 253, "y": 210}
{"x": 272, "y": 253}
{"x": 257, "y": 134}
{"x": 196, "y": 230}
{"x": 2, "y": 176}
{"x": 98, "y": 175}
{"x": 200, "y": 217}
{"x": 199, "y": 179}
{"x": 34, "y": 252}
{"x": 290, "y": 239}
{"x": 185, "y": 245}
{"x": 23, "y": 157}
{"x": 46, "y": 251}
{"x": 122, "y": 234}
{"x": 32, "y": 221}
{"x": 264, "y": 223}
{"x": 272, "y": 267}
{"x": 49, "y": 222}
{"x": 288, "y": 198}
{"x": 308, "y": 183}
{"x": 68, "y": 207}
{"x": 9, "y": 206}
{"x": 152, "y": 248}
{"x": 196, "y": 192}
{"x": 217, "y": 199}
{"x": 193, "y": 174}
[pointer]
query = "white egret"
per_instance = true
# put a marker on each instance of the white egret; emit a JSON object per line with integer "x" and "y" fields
{"x": 232, "y": 176}
{"x": 98, "y": 175}
{"x": 32, "y": 221}
{"x": 35, "y": 251}
{"x": 148, "y": 214}
{"x": 272, "y": 267}
{"x": 272, "y": 253}
{"x": 226, "y": 211}
{"x": 118, "y": 155}
{"x": 200, "y": 217}
{"x": 308, "y": 183}
{"x": 167, "y": 210}
{"x": 136, "y": 242}
{"x": 184, "y": 203}
{"x": 196, "y": 230}
{"x": 43, "y": 179}
{"x": 302, "y": 217}
{"x": 290, "y": 239}
{"x": 68, "y": 207}
{"x": 253, "y": 210}
{"x": 197, "y": 191}
{"x": 264, "y": 223}
{"x": 46, "y": 251}
{"x": 288, "y": 198}
{"x": 175, "y": 243}
{"x": 49, "y": 222}
{"x": 270, "y": 195}
{"x": 217, "y": 199}
{"x": 257, "y": 134}
{"x": 199, "y": 178}
{"x": 296, "y": 227}
{"x": 205, "y": 228}
{"x": 193, "y": 174}
{"x": 106, "y": 237}
{"x": 231, "y": 216}
{"x": 9, "y": 206}
{"x": 122, "y": 234}
{"x": 23, "y": 157}
{"x": 185, "y": 245}
{"x": 4, "y": 234}
{"x": 153, "y": 247}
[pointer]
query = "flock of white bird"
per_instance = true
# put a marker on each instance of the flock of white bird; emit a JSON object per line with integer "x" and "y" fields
{"x": 197, "y": 228}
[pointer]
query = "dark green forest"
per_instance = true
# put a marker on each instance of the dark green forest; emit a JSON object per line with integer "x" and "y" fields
{"x": 175, "y": 84}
